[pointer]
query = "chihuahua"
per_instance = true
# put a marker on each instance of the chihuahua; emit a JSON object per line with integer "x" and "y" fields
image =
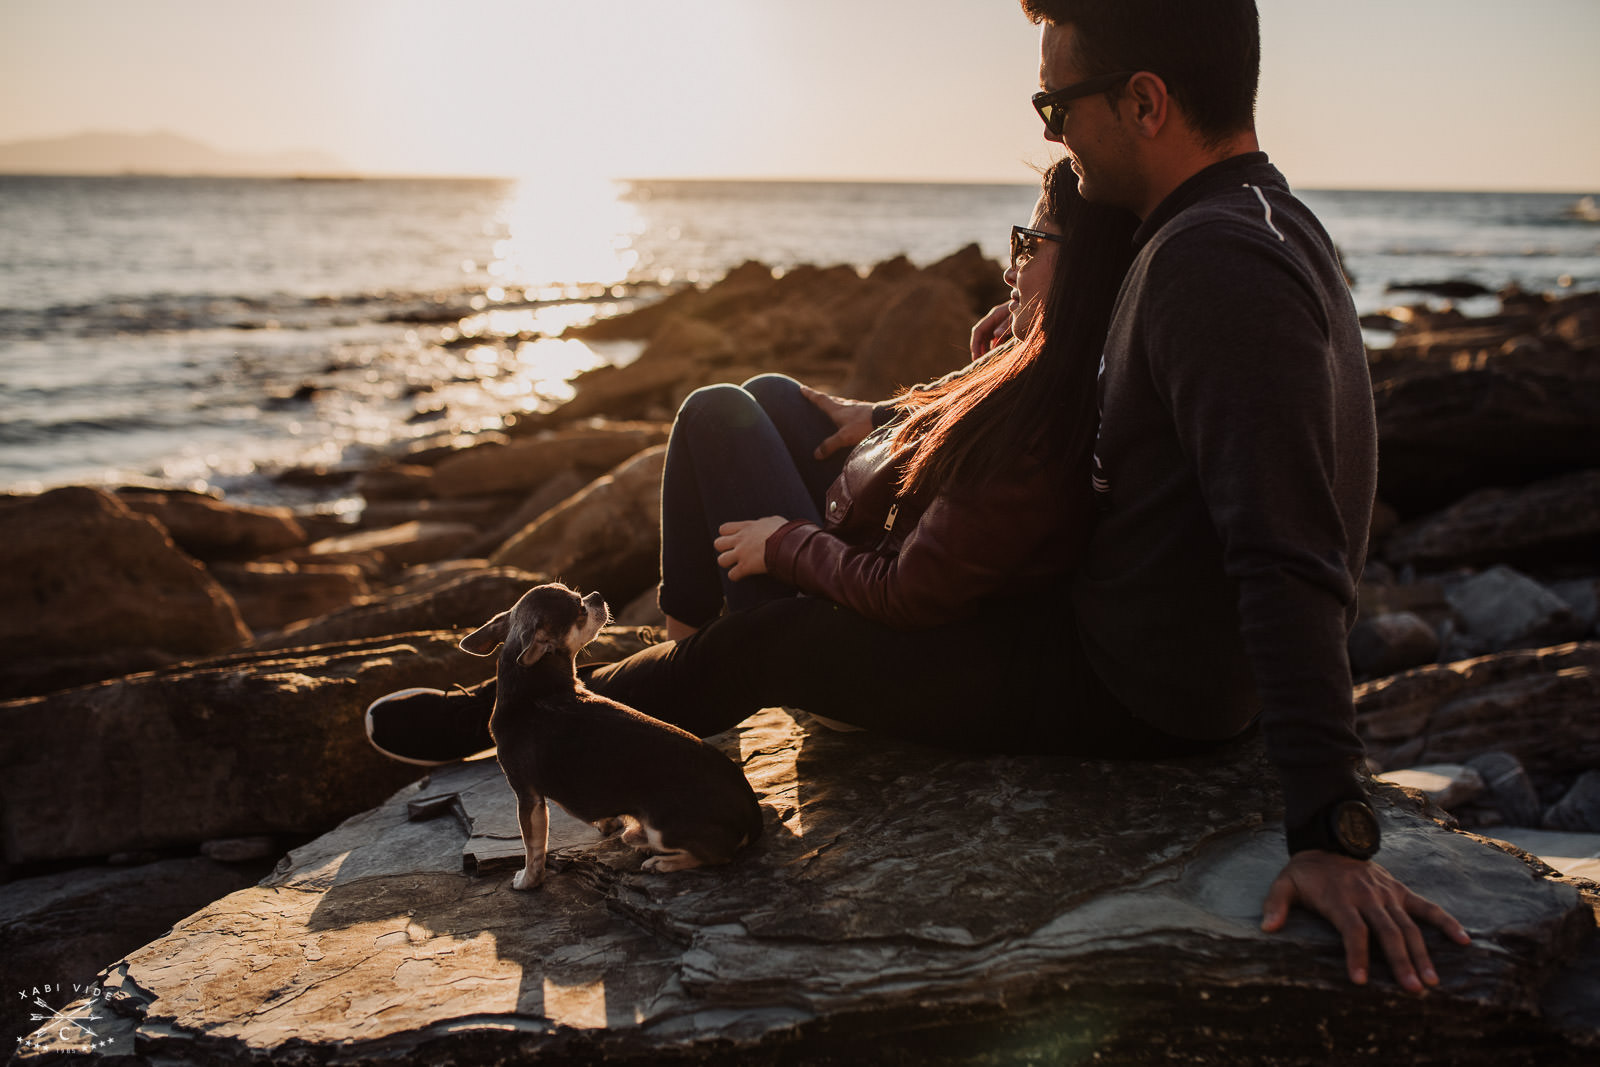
{"x": 605, "y": 763}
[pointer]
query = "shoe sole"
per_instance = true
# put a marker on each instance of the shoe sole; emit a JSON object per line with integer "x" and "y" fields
{"x": 395, "y": 755}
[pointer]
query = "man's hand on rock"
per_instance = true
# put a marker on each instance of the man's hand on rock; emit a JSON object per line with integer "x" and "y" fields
{"x": 852, "y": 417}
{"x": 993, "y": 329}
{"x": 742, "y": 548}
{"x": 1360, "y": 898}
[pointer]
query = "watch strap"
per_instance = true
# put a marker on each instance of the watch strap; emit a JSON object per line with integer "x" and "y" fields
{"x": 1347, "y": 827}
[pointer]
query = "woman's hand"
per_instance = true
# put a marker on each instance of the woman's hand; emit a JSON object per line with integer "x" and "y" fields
{"x": 742, "y": 548}
{"x": 852, "y": 417}
{"x": 993, "y": 329}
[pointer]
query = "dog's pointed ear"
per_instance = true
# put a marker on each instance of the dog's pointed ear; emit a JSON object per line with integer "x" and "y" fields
{"x": 534, "y": 651}
{"x": 488, "y": 637}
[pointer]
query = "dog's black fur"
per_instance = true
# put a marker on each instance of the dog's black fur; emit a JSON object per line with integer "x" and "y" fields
{"x": 600, "y": 760}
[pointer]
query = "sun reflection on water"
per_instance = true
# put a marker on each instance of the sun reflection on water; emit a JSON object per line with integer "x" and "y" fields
{"x": 565, "y": 235}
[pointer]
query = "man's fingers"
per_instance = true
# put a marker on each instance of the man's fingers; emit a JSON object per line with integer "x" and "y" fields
{"x": 1396, "y": 949}
{"x": 1353, "y": 931}
{"x": 729, "y": 561}
{"x": 1429, "y": 912}
{"x": 1416, "y": 948}
{"x": 1275, "y": 910}
{"x": 829, "y": 404}
{"x": 831, "y": 444}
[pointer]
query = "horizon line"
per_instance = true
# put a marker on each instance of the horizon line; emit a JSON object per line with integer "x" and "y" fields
{"x": 358, "y": 175}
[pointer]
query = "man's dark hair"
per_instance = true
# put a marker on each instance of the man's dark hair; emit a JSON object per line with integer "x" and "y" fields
{"x": 1207, "y": 51}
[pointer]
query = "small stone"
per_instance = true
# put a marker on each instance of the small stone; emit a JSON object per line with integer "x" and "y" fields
{"x": 1385, "y": 644}
{"x": 1579, "y": 810}
{"x": 1446, "y": 784}
{"x": 1582, "y": 595}
{"x": 1503, "y": 608}
{"x": 1507, "y": 788}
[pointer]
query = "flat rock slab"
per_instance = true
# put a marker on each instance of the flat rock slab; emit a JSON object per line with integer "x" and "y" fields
{"x": 903, "y": 905}
{"x": 475, "y": 792}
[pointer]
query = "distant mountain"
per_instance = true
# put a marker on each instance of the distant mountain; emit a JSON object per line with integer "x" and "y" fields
{"x": 153, "y": 153}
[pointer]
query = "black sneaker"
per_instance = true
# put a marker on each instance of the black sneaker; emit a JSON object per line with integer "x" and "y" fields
{"x": 429, "y": 727}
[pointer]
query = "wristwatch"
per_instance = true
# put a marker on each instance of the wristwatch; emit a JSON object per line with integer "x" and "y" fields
{"x": 1348, "y": 827}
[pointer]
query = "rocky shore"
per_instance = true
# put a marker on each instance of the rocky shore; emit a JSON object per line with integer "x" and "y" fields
{"x": 185, "y": 680}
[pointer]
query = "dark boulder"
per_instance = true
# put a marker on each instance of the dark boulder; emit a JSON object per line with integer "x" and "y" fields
{"x": 93, "y": 589}
{"x": 921, "y": 335}
{"x": 1453, "y": 288}
{"x": 453, "y": 601}
{"x": 1444, "y": 436}
{"x": 1537, "y": 704}
{"x": 211, "y": 530}
{"x": 1556, "y": 520}
{"x": 254, "y": 743}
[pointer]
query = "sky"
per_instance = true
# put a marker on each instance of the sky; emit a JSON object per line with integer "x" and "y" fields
{"x": 1424, "y": 94}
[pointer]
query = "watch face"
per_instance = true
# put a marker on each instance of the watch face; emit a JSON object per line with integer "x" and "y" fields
{"x": 1356, "y": 829}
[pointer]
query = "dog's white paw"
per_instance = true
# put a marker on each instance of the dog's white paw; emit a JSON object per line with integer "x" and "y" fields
{"x": 672, "y": 861}
{"x": 526, "y": 879}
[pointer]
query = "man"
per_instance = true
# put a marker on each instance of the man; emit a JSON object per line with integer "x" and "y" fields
{"x": 1237, "y": 481}
{"x": 1236, "y": 461}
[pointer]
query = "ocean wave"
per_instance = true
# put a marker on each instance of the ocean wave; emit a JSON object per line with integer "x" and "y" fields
{"x": 166, "y": 312}
{"x": 42, "y": 431}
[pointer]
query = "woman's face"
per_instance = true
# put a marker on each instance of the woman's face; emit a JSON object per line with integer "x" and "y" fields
{"x": 1029, "y": 275}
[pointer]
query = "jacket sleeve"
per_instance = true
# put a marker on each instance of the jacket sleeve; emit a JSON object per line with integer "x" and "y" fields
{"x": 1252, "y": 390}
{"x": 962, "y": 549}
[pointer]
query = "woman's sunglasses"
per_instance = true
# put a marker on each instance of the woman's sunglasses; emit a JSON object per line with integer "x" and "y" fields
{"x": 1052, "y": 107}
{"x": 1025, "y": 243}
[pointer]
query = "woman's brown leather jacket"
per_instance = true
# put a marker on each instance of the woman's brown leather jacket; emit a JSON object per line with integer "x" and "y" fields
{"x": 911, "y": 562}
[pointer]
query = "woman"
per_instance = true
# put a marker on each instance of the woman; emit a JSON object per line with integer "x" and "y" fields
{"x": 932, "y": 615}
{"x": 975, "y": 481}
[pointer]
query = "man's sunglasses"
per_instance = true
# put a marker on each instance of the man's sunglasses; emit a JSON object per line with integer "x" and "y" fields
{"x": 1025, "y": 242}
{"x": 1052, "y": 106}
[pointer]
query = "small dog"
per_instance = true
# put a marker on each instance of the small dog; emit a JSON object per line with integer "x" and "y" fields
{"x": 602, "y": 761}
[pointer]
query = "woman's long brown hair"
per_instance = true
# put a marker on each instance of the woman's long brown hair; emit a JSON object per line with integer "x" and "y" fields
{"x": 1037, "y": 396}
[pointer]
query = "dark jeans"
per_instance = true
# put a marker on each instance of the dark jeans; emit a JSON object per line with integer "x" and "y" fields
{"x": 1018, "y": 684}
{"x": 736, "y": 452}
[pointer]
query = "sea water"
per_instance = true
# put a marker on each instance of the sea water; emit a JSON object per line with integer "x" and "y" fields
{"x": 208, "y": 332}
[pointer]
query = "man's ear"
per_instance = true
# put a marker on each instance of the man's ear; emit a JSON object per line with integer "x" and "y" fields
{"x": 488, "y": 637}
{"x": 1147, "y": 103}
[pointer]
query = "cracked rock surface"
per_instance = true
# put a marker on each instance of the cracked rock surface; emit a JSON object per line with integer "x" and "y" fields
{"x": 902, "y": 906}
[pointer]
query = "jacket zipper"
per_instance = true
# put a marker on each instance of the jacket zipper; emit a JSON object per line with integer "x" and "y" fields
{"x": 888, "y": 522}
